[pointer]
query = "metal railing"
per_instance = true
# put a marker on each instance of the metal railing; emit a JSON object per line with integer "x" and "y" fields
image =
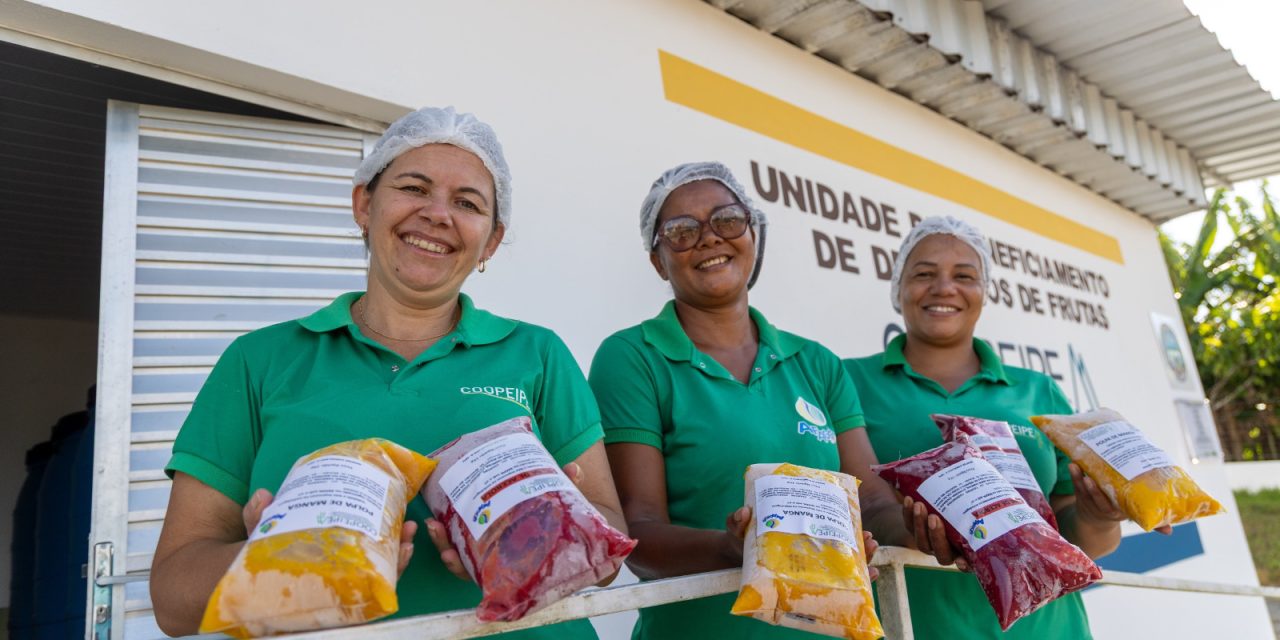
{"x": 891, "y": 587}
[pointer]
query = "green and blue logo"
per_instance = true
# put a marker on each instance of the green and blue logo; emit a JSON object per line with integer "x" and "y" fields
{"x": 773, "y": 520}
{"x": 270, "y": 523}
{"x": 977, "y": 530}
{"x": 810, "y": 412}
{"x": 823, "y": 434}
{"x": 482, "y": 514}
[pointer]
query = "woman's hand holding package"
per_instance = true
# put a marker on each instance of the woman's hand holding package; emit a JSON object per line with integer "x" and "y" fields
{"x": 735, "y": 527}
{"x": 929, "y": 536}
{"x": 261, "y": 499}
{"x": 453, "y": 562}
{"x": 1092, "y": 517}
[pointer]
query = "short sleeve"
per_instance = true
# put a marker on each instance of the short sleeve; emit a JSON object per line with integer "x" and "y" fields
{"x": 1058, "y": 404}
{"x": 220, "y": 437}
{"x": 624, "y": 386}
{"x": 841, "y": 396}
{"x": 565, "y": 409}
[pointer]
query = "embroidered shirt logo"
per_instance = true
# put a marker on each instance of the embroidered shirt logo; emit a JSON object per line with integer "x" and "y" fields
{"x": 810, "y": 412}
{"x": 515, "y": 395}
{"x": 823, "y": 434}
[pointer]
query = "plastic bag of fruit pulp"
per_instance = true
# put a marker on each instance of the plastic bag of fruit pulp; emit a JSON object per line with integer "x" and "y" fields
{"x": 1021, "y": 562}
{"x": 1150, "y": 489}
{"x": 325, "y": 552}
{"x": 996, "y": 442}
{"x": 803, "y": 564}
{"x": 525, "y": 533}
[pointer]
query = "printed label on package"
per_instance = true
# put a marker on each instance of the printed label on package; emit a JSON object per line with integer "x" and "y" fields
{"x": 975, "y": 499}
{"x": 1005, "y": 455}
{"x": 331, "y": 491}
{"x": 1125, "y": 448}
{"x": 805, "y": 506}
{"x": 493, "y": 478}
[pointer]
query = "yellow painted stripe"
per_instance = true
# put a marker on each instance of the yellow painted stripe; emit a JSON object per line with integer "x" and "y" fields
{"x": 722, "y": 97}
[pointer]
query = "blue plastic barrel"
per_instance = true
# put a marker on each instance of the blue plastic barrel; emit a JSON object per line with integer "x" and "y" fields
{"x": 23, "y": 550}
{"x": 54, "y": 506}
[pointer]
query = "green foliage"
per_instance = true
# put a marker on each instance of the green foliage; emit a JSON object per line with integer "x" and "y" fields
{"x": 1260, "y": 513}
{"x": 1231, "y": 306}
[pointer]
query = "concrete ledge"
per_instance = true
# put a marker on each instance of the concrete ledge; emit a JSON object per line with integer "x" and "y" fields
{"x": 1254, "y": 476}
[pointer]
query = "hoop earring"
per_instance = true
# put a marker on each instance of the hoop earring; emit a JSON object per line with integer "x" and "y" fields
{"x": 483, "y": 263}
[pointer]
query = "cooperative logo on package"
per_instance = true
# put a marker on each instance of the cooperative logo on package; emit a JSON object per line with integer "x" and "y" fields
{"x": 829, "y": 531}
{"x": 541, "y": 485}
{"x": 1018, "y": 516}
{"x": 270, "y": 523}
{"x": 773, "y": 520}
{"x": 345, "y": 519}
{"x": 977, "y": 530}
{"x": 481, "y": 516}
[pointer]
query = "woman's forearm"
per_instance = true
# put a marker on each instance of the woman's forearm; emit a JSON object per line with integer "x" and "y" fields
{"x": 667, "y": 550}
{"x": 183, "y": 580}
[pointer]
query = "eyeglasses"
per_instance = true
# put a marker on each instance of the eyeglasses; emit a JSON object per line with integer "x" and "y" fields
{"x": 682, "y": 233}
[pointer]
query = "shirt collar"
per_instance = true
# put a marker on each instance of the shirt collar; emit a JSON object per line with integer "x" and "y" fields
{"x": 475, "y": 326}
{"x": 664, "y": 332}
{"x": 990, "y": 367}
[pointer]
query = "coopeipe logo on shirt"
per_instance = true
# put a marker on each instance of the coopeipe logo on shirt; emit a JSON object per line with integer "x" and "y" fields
{"x": 514, "y": 395}
{"x": 814, "y": 422}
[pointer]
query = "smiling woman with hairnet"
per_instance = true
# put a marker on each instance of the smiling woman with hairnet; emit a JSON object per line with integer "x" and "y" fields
{"x": 939, "y": 283}
{"x": 691, "y": 397}
{"x": 400, "y": 361}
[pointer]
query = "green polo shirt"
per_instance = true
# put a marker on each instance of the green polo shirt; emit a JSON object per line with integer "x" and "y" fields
{"x": 655, "y": 388}
{"x": 284, "y": 391}
{"x": 897, "y": 402}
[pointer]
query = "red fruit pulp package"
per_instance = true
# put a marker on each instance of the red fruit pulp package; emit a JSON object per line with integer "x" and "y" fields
{"x": 1021, "y": 562}
{"x": 525, "y": 533}
{"x": 996, "y": 442}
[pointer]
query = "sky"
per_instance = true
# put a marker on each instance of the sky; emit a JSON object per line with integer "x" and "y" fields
{"x": 1251, "y": 30}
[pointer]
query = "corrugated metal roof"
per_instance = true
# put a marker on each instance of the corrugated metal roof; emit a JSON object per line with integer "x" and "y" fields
{"x": 1135, "y": 100}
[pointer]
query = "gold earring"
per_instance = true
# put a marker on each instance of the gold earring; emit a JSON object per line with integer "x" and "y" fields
{"x": 364, "y": 232}
{"x": 483, "y": 263}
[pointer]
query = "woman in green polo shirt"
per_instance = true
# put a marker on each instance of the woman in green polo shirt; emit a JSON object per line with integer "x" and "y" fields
{"x": 692, "y": 396}
{"x": 939, "y": 284}
{"x": 411, "y": 360}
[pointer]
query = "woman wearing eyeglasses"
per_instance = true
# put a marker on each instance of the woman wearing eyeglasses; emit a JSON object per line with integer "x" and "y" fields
{"x": 692, "y": 396}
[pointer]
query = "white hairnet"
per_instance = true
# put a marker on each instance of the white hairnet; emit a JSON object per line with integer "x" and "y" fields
{"x": 932, "y": 226}
{"x": 432, "y": 125}
{"x": 680, "y": 175}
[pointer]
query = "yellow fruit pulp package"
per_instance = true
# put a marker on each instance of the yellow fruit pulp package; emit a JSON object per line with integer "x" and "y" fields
{"x": 325, "y": 552}
{"x": 803, "y": 565}
{"x": 1150, "y": 489}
